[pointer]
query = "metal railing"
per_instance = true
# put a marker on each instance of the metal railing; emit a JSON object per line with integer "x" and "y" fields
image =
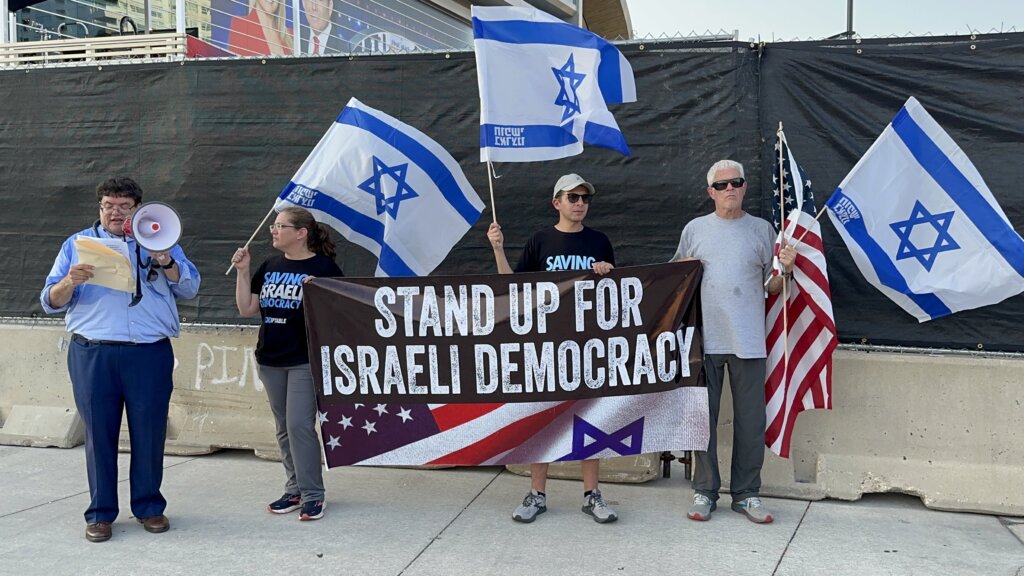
{"x": 168, "y": 46}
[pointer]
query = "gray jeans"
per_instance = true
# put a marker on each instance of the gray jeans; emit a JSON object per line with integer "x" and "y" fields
{"x": 746, "y": 380}
{"x": 293, "y": 402}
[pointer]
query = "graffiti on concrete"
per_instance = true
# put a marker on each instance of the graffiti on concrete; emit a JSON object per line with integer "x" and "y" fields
{"x": 218, "y": 367}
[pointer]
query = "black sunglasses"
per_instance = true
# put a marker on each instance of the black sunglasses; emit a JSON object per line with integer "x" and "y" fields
{"x": 723, "y": 184}
{"x": 573, "y": 197}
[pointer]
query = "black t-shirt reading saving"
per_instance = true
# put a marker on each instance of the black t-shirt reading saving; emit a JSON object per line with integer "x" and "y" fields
{"x": 551, "y": 249}
{"x": 278, "y": 282}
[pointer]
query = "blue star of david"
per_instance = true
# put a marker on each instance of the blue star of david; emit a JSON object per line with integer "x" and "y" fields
{"x": 943, "y": 241}
{"x": 615, "y": 441}
{"x": 374, "y": 187}
{"x": 568, "y": 80}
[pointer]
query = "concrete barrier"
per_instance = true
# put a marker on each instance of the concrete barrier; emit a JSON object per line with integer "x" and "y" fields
{"x": 42, "y": 427}
{"x": 218, "y": 399}
{"x": 947, "y": 428}
{"x": 628, "y": 469}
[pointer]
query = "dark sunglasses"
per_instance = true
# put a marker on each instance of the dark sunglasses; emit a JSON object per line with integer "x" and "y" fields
{"x": 723, "y": 184}
{"x": 573, "y": 197}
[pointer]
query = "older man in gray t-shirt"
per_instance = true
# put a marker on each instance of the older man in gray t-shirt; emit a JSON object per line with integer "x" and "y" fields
{"x": 735, "y": 249}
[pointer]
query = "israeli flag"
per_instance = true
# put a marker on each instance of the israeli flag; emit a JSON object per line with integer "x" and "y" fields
{"x": 922, "y": 225}
{"x": 387, "y": 187}
{"x": 545, "y": 86}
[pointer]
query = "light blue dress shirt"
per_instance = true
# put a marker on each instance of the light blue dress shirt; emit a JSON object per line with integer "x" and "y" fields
{"x": 100, "y": 313}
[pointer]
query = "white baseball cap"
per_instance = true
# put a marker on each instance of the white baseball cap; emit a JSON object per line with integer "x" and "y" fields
{"x": 570, "y": 181}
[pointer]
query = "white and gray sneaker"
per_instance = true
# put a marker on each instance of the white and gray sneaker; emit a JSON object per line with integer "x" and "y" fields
{"x": 754, "y": 510}
{"x": 702, "y": 507}
{"x": 533, "y": 505}
{"x": 594, "y": 506}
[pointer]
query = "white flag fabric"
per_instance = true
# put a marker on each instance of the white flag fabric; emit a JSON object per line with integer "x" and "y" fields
{"x": 545, "y": 86}
{"x": 387, "y": 187}
{"x": 922, "y": 225}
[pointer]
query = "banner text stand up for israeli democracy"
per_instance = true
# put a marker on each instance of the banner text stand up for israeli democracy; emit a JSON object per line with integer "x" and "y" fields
{"x": 480, "y": 370}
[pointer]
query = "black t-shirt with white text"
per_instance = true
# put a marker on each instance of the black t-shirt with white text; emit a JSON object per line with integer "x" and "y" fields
{"x": 278, "y": 282}
{"x": 551, "y": 249}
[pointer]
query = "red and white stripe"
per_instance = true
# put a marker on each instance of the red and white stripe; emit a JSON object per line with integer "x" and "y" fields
{"x": 802, "y": 378}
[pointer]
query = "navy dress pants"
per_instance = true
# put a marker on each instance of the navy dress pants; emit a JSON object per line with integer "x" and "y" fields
{"x": 109, "y": 379}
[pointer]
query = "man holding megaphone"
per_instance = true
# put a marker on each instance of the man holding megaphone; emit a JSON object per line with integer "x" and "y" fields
{"x": 120, "y": 356}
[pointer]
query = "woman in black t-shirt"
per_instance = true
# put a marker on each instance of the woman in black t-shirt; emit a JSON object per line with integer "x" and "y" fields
{"x": 282, "y": 356}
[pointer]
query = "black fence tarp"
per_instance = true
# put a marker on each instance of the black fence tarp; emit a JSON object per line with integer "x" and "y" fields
{"x": 218, "y": 140}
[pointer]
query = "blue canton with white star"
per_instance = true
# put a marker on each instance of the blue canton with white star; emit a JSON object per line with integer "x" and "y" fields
{"x": 787, "y": 188}
{"x": 374, "y": 186}
{"x": 568, "y": 80}
{"x": 920, "y": 216}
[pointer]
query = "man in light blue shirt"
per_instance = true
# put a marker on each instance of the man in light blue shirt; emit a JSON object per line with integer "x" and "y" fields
{"x": 120, "y": 358}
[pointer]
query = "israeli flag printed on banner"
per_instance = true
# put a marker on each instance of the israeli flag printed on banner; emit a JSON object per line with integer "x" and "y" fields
{"x": 387, "y": 187}
{"x": 545, "y": 86}
{"x": 922, "y": 225}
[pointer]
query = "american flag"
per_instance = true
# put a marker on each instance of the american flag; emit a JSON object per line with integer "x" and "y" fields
{"x": 801, "y": 331}
{"x": 514, "y": 432}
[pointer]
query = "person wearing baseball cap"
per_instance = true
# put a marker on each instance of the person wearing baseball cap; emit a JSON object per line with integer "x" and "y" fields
{"x": 570, "y": 181}
{"x": 568, "y": 245}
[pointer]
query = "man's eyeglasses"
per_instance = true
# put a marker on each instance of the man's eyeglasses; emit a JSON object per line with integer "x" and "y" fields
{"x": 125, "y": 208}
{"x": 277, "y": 226}
{"x": 723, "y": 184}
{"x": 573, "y": 197}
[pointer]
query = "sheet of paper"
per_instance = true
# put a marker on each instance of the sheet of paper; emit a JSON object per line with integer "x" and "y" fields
{"x": 115, "y": 244}
{"x": 111, "y": 262}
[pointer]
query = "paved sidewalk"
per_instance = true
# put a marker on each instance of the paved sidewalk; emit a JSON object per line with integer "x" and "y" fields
{"x": 410, "y": 522}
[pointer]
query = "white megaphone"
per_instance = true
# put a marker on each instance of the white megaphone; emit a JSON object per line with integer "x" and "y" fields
{"x": 155, "y": 226}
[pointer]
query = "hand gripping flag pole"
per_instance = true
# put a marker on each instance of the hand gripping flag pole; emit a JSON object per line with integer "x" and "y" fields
{"x": 249, "y": 241}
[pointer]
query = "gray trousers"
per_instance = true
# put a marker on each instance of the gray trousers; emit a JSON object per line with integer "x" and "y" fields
{"x": 293, "y": 402}
{"x": 746, "y": 380}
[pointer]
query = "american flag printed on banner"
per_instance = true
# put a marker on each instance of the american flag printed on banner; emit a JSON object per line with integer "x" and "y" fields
{"x": 513, "y": 432}
{"x": 801, "y": 331}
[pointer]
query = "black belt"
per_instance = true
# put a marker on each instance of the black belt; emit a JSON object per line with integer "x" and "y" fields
{"x": 80, "y": 338}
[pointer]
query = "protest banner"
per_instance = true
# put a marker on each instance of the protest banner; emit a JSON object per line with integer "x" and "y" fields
{"x": 504, "y": 369}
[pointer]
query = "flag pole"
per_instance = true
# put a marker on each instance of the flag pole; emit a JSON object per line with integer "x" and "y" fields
{"x": 781, "y": 136}
{"x": 808, "y": 229}
{"x": 490, "y": 184}
{"x": 249, "y": 241}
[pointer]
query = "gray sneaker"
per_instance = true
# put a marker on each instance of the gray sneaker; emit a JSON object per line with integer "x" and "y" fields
{"x": 594, "y": 505}
{"x": 533, "y": 505}
{"x": 753, "y": 509}
{"x": 702, "y": 507}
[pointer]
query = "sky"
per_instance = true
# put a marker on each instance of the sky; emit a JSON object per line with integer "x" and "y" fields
{"x": 817, "y": 19}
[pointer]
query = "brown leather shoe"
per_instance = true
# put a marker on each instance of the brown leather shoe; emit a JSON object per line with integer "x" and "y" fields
{"x": 98, "y": 532}
{"x": 156, "y": 524}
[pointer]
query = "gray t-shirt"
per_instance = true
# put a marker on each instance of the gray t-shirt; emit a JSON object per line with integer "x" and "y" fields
{"x": 737, "y": 258}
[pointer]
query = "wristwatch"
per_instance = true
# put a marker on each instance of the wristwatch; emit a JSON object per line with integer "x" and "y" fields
{"x": 170, "y": 264}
